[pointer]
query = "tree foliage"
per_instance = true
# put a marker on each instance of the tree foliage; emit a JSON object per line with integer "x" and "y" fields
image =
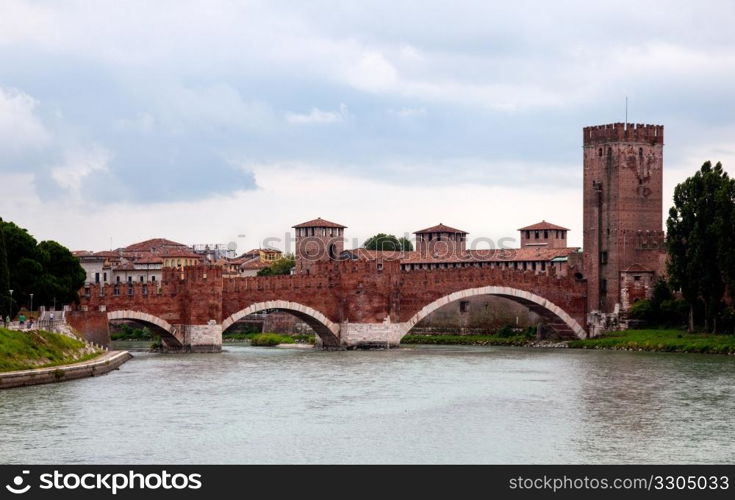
{"x": 281, "y": 266}
{"x": 47, "y": 270}
{"x": 700, "y": 241}
{"x": 388, "y": 242}
{"x": 4, "y": 275}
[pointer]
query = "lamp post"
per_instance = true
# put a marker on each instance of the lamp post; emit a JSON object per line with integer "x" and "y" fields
{"x": 10, "y": 309}
{"x": 31, "y": 304}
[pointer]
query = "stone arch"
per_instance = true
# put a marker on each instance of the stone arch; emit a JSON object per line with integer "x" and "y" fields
{"x": 327, "y": 330}
{"x": 171, "y": 338}
{"x": 561, "y": 320}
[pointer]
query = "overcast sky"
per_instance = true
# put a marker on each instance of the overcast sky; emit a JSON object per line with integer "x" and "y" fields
{"x": 219, "y": 121}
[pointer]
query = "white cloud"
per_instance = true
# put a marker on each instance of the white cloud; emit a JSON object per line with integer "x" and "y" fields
{"x": 301, "y": 192}
{"x": 20, "y": 127}
{"x": 317, "y": 116}
{"x": 77, "y": 165}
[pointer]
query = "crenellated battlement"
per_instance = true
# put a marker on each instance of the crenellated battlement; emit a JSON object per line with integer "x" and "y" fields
{"x": 620, "y": 132}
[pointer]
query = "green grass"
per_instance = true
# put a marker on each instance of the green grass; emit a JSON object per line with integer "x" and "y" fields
{"x": 300, "y": 338}
{"x": 271, "y": 339}
{"x": 660, "y": 340}
{"x": 239, "y": 336}
{"x": 24, "y": 350}
{"x": 465, "y": 340}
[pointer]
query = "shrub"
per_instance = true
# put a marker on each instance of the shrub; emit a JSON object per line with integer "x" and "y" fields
{"x": 506, "y": 331}
{"x": 270, "y": 339}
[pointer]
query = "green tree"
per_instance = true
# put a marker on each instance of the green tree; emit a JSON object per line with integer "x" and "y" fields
{"x": 406, "y": 244}
{"x": 281, "y": 266}
{"x": 699, "y": 252}
{"x": 388, "y": 242}
{"x": 48, "y": 270}
{"x": 4, "y": 275}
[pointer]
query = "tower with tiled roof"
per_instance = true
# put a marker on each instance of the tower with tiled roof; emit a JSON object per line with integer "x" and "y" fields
{"x": 317, "y": 240}
{"x": 544, "y": 234}
{"x": 441, "y": 241}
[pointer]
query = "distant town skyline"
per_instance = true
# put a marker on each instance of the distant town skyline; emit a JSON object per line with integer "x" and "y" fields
{"x": 205, "y": 121}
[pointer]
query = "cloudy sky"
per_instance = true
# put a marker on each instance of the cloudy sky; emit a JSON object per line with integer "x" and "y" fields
{"x": 220, "y": 121}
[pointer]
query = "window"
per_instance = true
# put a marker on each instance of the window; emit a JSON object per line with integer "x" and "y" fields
{"x": 153, "y": 278}
{"x": 145, "y": 289}
{"x": 116, "y": 291}
{"x": 536, "y": 235}
{"x": 130, "y": 290}
{"x": 87, "y": 292}
{"x": 96, "y": 277}
{"x": 603, "y": 286}
{"x": 118, "y": 279}
{"x": 464, "y": 306}
{"x": 528, "y": 235}
{"x": 603, "y": 257}
{"x": 141, "y": 279}
{"x": 104, "y": 278}
{"x": 130, "y": 279}
{"x": 546, "y": 235}
{"x": 636, "y": 278}
{"x": 599, "y": 152}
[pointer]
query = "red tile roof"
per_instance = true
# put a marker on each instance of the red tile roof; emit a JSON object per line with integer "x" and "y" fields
{"x": 256, "y": 251}
{"x": 184, "y": 252}
{"x": 440, "y": 228}
{"x": 254, "y": 264}
{"x": 543, "y": 225}
{"x": 528, "y": 254}
{"x": 152, "y": 245}
{"x": 319, "y": 222}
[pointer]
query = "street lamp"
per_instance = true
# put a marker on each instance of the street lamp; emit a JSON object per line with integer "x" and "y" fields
{"x": 31, "y": 304}
{"x": 10, "y": 309}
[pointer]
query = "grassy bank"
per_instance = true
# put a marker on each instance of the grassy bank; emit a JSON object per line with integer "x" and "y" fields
{"x": 271, "y": 339}
{"x": 660, "y": 340}
{"x": 466, "y": 340}
{"x": 289, "y": 339}
{"x": 25, "y": 350}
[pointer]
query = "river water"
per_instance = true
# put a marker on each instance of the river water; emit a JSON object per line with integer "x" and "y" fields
{"x": 408, "y": 405}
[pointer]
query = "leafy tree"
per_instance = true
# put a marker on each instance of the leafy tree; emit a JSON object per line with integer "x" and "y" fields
{"x": 4, "y": 275}
{"x": 281, "y": 266}
{"x": 388, "y": 242}
{"x": 406, "y": 244}
{"x": 47, "y": 270}
{"x": 662, "y": 309}
{"x": 699, "y": 233}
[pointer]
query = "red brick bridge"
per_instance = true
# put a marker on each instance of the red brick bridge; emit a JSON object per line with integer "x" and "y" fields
{"x": 348, "y": 303}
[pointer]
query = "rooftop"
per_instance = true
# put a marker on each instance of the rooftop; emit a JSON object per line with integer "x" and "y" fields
{"x": 440, "y": 228}
{"x": 152, "y": 245}
{"x": 543, "y": 225}
{"x": 319, "y": 222}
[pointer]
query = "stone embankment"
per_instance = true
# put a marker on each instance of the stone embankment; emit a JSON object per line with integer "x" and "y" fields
{"x": 100, "y": 365}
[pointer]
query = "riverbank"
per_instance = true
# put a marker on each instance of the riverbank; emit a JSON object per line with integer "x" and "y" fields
{"x": 660, "y": 341}
{"x": 100, "y": 365}
{"x": 515, "y": 340}
{"x": 629, "y": 340}
{"x": 24, "y": 350}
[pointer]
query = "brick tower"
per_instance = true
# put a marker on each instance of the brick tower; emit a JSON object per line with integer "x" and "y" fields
{"x": 623, "y": 237}
{"x": 317, "y": 240}
{"x": 441, "y": 241}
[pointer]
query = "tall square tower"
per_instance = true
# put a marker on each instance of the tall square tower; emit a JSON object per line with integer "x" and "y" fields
{"x": 623, "y": 195}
